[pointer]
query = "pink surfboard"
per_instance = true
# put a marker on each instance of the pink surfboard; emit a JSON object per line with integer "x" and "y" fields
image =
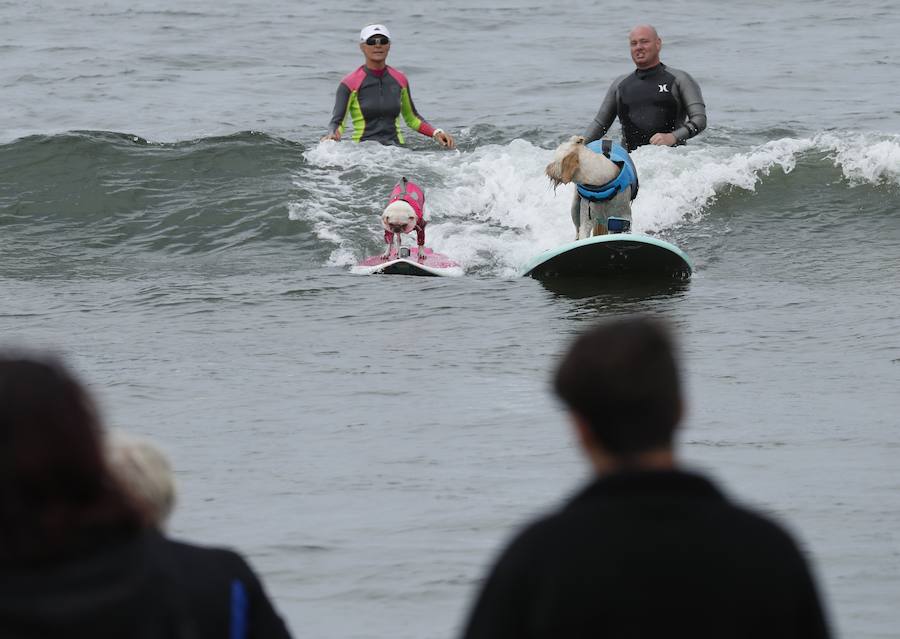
{"x": 431, "y": 263}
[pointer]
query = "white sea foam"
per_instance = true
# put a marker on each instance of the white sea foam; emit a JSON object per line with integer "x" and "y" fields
{"x": 492, "y": 209}
{"x": 864, "y": 158}
{"x": 324, "y": 204}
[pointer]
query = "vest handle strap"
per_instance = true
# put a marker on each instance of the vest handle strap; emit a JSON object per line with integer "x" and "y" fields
{"x": 606, "y": 147}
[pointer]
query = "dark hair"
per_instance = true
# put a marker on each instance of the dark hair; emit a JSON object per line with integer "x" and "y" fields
{"x": 56, "y": 495}
{"x": 621, "y": 377}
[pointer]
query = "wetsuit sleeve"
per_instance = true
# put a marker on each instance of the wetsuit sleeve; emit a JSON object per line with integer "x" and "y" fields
{"x": 413, "y": 120}
{"x": 607, "y": 113}
{"x": 692, "y": 105}
{"x": 341, "y": 103}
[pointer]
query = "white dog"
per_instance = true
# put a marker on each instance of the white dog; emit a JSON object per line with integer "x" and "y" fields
{"x": 404, "y": 214}
{"x": 608, "y": 183}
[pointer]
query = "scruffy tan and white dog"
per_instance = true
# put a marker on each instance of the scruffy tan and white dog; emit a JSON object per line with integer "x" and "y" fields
{"x": 403, "y": 214}
{"x": 574, "y": 162}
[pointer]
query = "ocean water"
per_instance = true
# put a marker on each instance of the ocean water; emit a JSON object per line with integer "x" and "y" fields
{"x": 171, "y": 224}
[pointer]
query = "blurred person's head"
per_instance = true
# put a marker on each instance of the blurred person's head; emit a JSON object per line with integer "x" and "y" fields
{"x": 145, "y": 473}
{"x": 620, "y": 383}
{"x": 57, "y": 496}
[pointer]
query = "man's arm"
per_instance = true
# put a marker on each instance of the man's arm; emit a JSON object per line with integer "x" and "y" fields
{"x": 496, "y": 614}
{"x": 607, "y": 113}
{"x": 688, "y": 92}
{"x": 811, "y": 613}
{"x": 501, "y": 610}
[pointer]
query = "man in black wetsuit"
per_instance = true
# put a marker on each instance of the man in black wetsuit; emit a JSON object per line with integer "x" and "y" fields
{"x": 646, "y": 549}
{"x": 655, "y": 104}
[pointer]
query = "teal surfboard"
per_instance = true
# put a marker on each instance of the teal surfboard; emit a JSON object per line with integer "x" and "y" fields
{"x": 625, "y": 254}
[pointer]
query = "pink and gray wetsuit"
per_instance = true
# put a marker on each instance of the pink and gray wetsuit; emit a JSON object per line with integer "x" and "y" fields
{"x": 375, "y": 100}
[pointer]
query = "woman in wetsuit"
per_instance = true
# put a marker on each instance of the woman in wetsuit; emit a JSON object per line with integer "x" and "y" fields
{"x": 375, "y": 96}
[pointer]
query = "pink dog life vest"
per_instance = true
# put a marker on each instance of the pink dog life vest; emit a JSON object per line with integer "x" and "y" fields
{"x": 410, "y": 193}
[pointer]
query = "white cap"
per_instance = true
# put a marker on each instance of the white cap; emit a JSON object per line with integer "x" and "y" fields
{"x": 374, "y": 29}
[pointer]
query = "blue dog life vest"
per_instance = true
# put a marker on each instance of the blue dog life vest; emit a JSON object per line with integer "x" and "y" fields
{"x": 627, "y": 173}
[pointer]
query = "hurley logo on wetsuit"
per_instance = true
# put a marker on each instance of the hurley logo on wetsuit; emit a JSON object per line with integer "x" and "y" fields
{"x": 664, "y": 88}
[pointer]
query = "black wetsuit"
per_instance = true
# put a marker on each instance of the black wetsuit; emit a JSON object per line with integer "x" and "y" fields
{"x": 650, "y": 554}
{"x": 649, "y": 101}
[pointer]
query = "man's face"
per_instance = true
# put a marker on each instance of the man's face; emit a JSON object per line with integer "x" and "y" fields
{"x": 645, "y": 46}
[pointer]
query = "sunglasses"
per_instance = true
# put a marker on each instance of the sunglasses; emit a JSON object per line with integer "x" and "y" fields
{"x": 377, "y": 40}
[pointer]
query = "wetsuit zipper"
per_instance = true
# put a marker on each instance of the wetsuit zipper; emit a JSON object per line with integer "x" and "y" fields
{"x": 381, "y": 96}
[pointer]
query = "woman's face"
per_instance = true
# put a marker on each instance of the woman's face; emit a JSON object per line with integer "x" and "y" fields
{"x": 376, "y": 48}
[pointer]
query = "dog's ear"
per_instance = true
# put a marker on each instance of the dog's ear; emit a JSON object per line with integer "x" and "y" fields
{"x": 568, "y": 166}
{"x": 552, "y": 171}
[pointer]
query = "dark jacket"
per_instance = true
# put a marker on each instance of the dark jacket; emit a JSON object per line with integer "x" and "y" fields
{"x": 140, "y": 588}
{"x": 652, "y": 554}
